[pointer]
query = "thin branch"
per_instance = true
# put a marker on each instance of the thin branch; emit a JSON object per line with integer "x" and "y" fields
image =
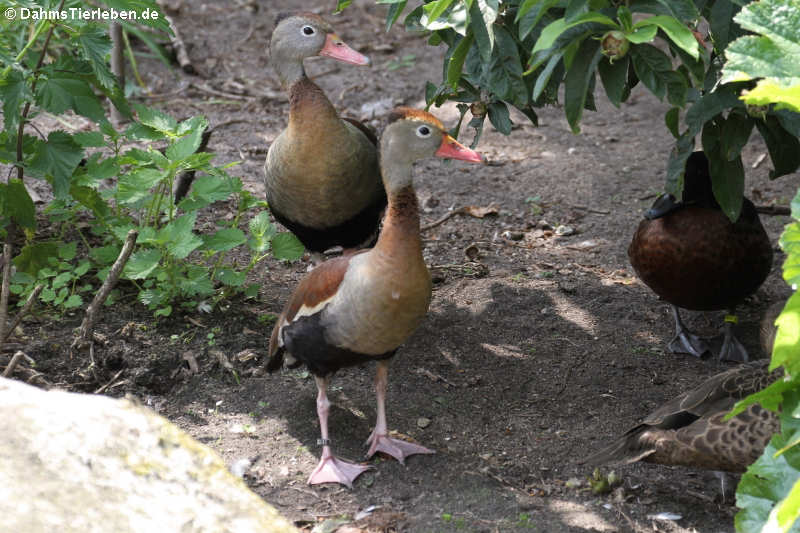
{"x": 117, "y": 66}
{"x": 85, "y": 332}
{"x": 22, "y": 312}
{"x": 444, "y": 218}
{"x": 4, "y": 291}
{"x": 13, "y": 363}
{"x": 775, "y": 210}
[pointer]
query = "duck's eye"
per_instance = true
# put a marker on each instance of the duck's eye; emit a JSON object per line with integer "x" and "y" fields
{"x": 309, "y": 30}
{"x": 423, "y": 131}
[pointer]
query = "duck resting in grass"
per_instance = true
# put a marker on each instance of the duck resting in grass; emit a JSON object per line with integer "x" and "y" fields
{"x": 321, "y": 174}
{"x": 361, "y": 307}
{"x": 691, "y": 255}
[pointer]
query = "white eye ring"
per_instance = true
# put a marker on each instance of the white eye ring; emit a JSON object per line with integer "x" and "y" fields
{"x": 423, "y": 132}
{"x": 308, "y": 30}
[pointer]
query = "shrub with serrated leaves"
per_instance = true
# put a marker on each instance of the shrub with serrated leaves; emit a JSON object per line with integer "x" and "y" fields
{"x": 174, "y": 263}
{"x": 519, "y": 53}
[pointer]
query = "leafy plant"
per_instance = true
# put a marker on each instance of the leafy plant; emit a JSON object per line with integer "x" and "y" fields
{"x": 175, "y": 262}
{"x": 518, "y": 53}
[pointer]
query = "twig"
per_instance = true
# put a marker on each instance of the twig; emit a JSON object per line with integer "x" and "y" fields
{"x": 87, "y": 325}
{"x": 107, "y": 385}
{"x": 775, "y": 210}
{"x": 178, "y": 45}
{"x": 117, "y": 66}
{"x": 22, "y": 312}
{"x": 443, "y": 219}
{"x": 4, "y": 290}
{"x": 214, "y": 92}
{"x": 13, "y": 363}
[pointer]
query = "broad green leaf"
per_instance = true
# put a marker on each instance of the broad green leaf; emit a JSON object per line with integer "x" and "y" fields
{"x": 654, "y": 69}
{"x": 787, "y": 338}
{"x": 530, "y": 13}
{"x": 58, "y": 158}
{"x": 754, "y": 56}
{"x": 93, "y": 139}
{"x": 614, "y": 76}
{"x": 435, "y": 9}
{"x": 683, "y": 10}
{"x": 260, "y": 225}
{"x": 105, "y": 255}
{"x": 767, "y": 92}
{"x": 544, "y": 77}
{"x": 61, "y": 280}
{"x": 455, "y": 62}
{"x": 552, "y": 31}
{"x": 141, "y": 264}
{"x": 482, "y": 14}
{"x": 155, "y": 119}
{"x": 723, "y": 29}
{"x": 644, "y": 34}
{"x": 727, "y": 177}
{"x": 251, "y": 291}
{"x": 784, "y": 148}
{"x": 67, "y": 251}
{"x": 341, "y": 5}
{"x": 57, "y": 94}
{"x": 179, "y": 237}
{"x": 185, "y": 146}
{"x": 35, "y": 257}
{"x": 777, "y": 19}
{"x": 14, "y": 91}
{"x": 18, "y": 204}
{"x": 671, "y": 119}
{"x": 500, "y": 118}
{"x": 287, "y": 246}
{"x": 735, "y": 134}
{"x": 96, "y": 45}
{"x": 225, "y": 239}
{"x": 90, "y": 199}
{"x": 136, "y": 185}
{"x": 73, "y": 301}
{"x": 707, "y": 107}
{"x": 505, "y": 70}
{"x": 231, "y": 278}
{"x": 676, "y": 31}
{"x": 578, "y": 81}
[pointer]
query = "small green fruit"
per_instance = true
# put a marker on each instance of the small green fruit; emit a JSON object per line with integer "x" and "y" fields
{"x": 615, "y": 45}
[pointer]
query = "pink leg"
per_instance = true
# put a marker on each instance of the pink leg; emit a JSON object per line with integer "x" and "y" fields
{"x": 379, "y": 441}
{"x": 331, "y": 469}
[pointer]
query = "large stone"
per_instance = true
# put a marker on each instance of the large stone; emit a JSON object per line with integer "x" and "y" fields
{"x": 82, "y": 463}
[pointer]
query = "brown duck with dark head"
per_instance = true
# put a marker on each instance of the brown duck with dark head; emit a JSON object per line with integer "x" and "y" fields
{"x": 361, "y": 307}
{"x": 322, "y": 176}
{"x": 691, "y": 255}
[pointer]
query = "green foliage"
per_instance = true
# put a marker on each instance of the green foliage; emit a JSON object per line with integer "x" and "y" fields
{"x": 519, "y": 53}
{"x": 178, "y": 261}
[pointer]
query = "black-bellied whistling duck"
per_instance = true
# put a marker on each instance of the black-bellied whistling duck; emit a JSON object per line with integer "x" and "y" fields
{"x": 691, "y": 429}
{"x": 322, "y": 177}
{"x": 691, "y": 255}
{"x": 360, "y": 307}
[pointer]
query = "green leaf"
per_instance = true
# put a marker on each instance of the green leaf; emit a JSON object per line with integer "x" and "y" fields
{"x": 778, "y": 19}
{"x": 578, "y": 81}
{"x": 73, "y": 301}
{"x": 35, "y": 257}
{"x": 260, "y": 225}
{"x": 676, "y": 31}
{"x": 644, "y": 34}
{"x": 105, "y": 255}
{"x": 14, "y": 91}
{"x": 500, "y": 117}
{"x": 723, "y": 29}
{"x": 614, "y": 76}
{"x": 735, "y": 134}
{"x": 671, "y": 119}
{"x": 727, "y": 177}
{"x": 179, "y": 237}
{"x": 341, "y": 5}
{"x": 96, "y": 45}
{"x": 783, "y": 147}
{"x": 18, "y": 203}
{"x": 505, "y": 70}
{"x": 58, "y": 158}
{"x": 455, "y": 63}
{"x": 187, "y": 145}
{"x": 435, "y": 9}
{"x": 787, "y": 337}
{"x": 57, "y": 94}
{"x": 251, "y": 291}
{"x": 482, "y": 14}
{"x": 86, "y": 139}
{"x": 136, "y": 185}
{"x": 553, "y": 30}
{"x": 155, "y": 119}
{"x": 141, "y": 264}
{"x": 225, "y": 239}
{"x": 530, "y": 13}
{"x": 231, "y": 278}
{"x": 286, "y": 246}
{"x": 90, "y": 199}
{"x": 67, "y": 251}
{"x": 654, "y": 69}
{"x": 707, "y": 107}
{"x": 754, "y": 56}
{"x": 544, "y": 77}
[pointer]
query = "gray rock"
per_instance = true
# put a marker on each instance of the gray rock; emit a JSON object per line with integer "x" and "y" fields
{"x": 90, "y": 464}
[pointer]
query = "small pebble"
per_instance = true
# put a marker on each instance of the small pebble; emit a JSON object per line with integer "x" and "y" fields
{"x": 423, "y": 422}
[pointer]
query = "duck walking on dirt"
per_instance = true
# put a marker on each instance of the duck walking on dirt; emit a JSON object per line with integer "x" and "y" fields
{"x": 691, "y": 255}
{"x": 361, "y": 307}
{"x": 321, "y": 174}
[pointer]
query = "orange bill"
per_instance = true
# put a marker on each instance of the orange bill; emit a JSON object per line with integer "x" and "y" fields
{"x": 337, "y": 49}
{"x": 453, "y": 149}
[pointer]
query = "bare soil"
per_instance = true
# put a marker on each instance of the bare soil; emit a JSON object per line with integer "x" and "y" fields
{"x": 537, "y": 349}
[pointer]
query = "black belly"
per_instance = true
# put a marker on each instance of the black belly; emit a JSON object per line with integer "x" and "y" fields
{"x": 305, "y": 340}
{"x": 353, "y": 232}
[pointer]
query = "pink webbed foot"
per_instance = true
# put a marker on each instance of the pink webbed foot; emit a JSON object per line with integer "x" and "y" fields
{"x": 399, "y": 449}
{"x": 331, "y": 469}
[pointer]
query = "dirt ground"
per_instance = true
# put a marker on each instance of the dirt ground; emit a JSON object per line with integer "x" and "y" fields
{"x": 537, "y": 349}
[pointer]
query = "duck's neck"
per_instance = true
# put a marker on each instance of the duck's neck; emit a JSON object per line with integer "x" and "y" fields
{"x": 400, "y": 232}
{"x": 310, "y": 112}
